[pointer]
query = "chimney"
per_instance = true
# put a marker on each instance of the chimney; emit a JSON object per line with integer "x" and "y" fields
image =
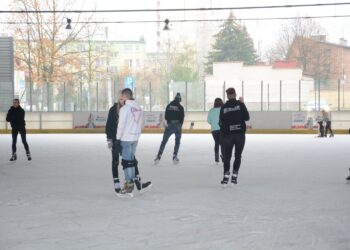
{"x": 343, "y": 42}
{"x": 319, "y": 38}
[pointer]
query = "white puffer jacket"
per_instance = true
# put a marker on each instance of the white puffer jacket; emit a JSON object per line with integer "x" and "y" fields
{"x": 130, "y": 121}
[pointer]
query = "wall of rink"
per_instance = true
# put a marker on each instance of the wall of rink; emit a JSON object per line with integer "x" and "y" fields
{"x": 273, "y": 120}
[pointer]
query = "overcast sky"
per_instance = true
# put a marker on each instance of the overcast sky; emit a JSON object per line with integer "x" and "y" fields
{"x": 264, "y": 33}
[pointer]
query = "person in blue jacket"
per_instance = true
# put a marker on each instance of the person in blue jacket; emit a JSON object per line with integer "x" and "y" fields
{"x": 213, "y": 120}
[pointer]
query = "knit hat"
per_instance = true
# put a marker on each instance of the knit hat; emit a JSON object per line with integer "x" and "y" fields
{"x": 178, "y": 97}
{"x": 230, "y": 91}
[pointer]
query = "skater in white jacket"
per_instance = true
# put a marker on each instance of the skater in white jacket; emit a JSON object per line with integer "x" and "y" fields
{"x": 129, "y": 131}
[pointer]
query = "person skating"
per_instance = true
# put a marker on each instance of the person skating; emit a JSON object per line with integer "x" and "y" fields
{"x": 319, "y": 120}
{"x": 328, "y": 122}
{"x": 233, "y": 116}
{"x": 128, "y": 132}
{"x": 15, "y": 116}
{"x": 174, "y": 116}
{"x": 115, "y": 147}
{"x": 213, "y": 120}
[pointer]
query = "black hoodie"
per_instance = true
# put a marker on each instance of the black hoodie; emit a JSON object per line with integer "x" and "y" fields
{"x": 174, "y": 112}
{"x": 15, "y": 116}
{"x": 112, "y": 122}
{"x": 233, "y": 116}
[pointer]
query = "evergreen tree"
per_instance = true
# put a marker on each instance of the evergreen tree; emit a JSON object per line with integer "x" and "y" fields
{"x": 233, "y": 43}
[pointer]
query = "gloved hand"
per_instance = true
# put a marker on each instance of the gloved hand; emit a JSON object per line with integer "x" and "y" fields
{"x": 110, "y": 144}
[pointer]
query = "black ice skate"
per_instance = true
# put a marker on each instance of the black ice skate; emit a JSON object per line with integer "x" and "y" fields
{"x": 29, "y": 157}
{"x": 126, "y": 191}
{"x": 224, "y": 181}
{"x": 142, "y": 186}
{"x": 157, "y": 159}
{"x": 175, "y": 159}
{"x": 117, "y": 185}
{"x": 13, "y": 157}
{"x": 348, "y": 179}
{"x": 234, "y": 178}
{"x": 217, "y": 158}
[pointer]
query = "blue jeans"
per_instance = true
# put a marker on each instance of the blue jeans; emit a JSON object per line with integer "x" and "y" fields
{"x": 172, "y": 128}
{"x": 128, "y": 156}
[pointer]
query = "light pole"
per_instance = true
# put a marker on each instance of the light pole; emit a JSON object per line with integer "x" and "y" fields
{"x": 29, "y": 63}
{"x": 343, "y": 83}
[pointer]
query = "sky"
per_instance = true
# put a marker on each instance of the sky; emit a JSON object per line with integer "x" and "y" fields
{"x": 264, "y": 33}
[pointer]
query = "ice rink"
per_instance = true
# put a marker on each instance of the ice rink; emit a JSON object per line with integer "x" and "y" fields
{"x": 291, "y": 194}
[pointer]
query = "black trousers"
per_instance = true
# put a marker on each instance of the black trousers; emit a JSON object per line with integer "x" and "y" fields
{"x": 321, "y": 128}
{"x": 230, "y": 141}
{"x": 23, "y": 133}
{"x": 116, "y": 150}
{"x": 328, "y": 127}
{"x": 217, "y": 140}
{"x": 172, "y": 128}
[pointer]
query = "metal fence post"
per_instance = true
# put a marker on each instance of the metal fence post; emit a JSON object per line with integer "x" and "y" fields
{"x": 204, "y": 91}
{"x": 150, "y": 96}
{"x": 81, "y": 96}
{"x": 186, "y": 89}
{"x": 299, "y": 95}
{"x": 223, "y": 91}
{"x": 262, "y": 96}
{"x": 97, "y": 96}
{"x": 338, "y": 94}
{"x": 319, "y": 95}
{"x": 64, "y": 96}
{"x": 268, "y": 97}
{"x": 280, "y": 95}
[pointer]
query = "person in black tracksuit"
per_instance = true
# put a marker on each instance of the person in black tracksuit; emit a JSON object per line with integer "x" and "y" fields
{"x": 233, "y": 116}
{"x": 114, "y": 145}
{"x": 15, "y": 116}
{"x": 174, "y": 115}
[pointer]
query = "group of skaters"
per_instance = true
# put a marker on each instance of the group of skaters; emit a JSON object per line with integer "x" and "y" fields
{"x": 325, "y": 125}
{"x": 124, "y": 126}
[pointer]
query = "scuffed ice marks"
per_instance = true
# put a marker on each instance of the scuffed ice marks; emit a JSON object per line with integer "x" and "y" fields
{"x": 64, "y": 198}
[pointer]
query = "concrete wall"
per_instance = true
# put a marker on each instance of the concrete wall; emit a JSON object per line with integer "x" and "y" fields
{"x": 259, "y": 120}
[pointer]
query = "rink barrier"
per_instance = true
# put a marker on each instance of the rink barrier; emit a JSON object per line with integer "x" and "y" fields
{"x": 160, "y": 131}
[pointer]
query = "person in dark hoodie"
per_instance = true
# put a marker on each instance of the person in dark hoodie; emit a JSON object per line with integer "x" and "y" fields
{"x": 15, "y": 116}
{"x": 233, "y": 116}
{"x": 174, "y": 116}
{"x": 115, "y": 147}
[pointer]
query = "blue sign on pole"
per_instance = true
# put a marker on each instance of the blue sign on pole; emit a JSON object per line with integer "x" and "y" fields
{"x": 129, "y": 83}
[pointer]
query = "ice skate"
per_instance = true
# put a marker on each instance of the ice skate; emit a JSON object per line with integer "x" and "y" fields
{"x": 348, "y": 179}
{"x": 157, "y": 159}
{"x": 225, "y": 180}
{"x": 234, "y": 178}
{"x": 332, "y": 135}
{"x": 142, "y": 186}
{"x": 117, "y": 187}
{"x": 13, "y": 157}
{"x": 175, "y": 159}
{"x": 29, "y": 157}
{"x": 126, "y": 191}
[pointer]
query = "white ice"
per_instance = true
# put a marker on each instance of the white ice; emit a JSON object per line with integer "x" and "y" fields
{"x": 291, "y": 194}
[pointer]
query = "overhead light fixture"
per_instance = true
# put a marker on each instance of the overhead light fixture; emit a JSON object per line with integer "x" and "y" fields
{"x": 69, "y": 21}
{"x": 166, "y": 26}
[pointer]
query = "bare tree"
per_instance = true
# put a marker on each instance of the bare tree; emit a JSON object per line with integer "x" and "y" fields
{"x": 51, "y": 61}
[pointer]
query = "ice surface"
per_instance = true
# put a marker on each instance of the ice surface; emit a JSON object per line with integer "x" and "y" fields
{"x": 291, "y": 194}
